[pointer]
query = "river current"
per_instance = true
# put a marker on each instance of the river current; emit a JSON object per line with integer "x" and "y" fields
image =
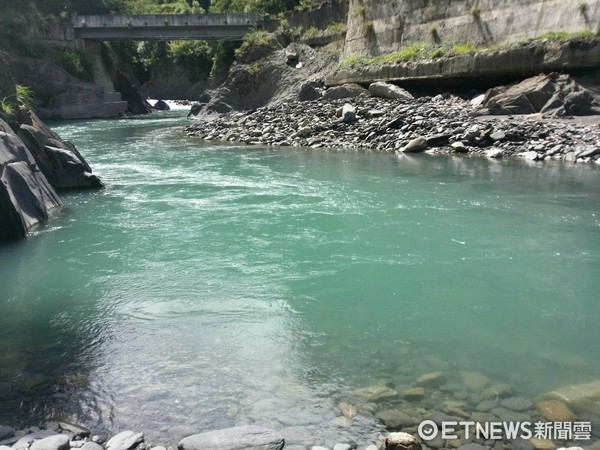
{"x": 211, "y": 285}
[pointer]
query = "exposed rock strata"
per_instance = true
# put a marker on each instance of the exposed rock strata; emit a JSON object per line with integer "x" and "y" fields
{"x": 26, "y": 197}
{"x": 34, "y": 161}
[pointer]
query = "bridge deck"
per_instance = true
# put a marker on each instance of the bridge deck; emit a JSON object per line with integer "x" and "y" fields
{"x": 165, "y": 26}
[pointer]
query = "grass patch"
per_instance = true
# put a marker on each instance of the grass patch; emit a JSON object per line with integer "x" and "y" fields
{"x": 564, "y": 35}
{"x": 255, "y": 40}
{"x": 420, "y": 51}
{"x": 465, "y": 49}
{"x": 22, "y": 98}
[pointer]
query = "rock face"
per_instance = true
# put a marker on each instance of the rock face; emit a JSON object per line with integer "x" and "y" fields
{"x": 59, "y": 160}
{"x": 555, "y": 95}
{"x": 33, "y": 162}
{"x": 26, "y": 197}
{"x": 272, "y": 81}
{"x": 237, "y": 438}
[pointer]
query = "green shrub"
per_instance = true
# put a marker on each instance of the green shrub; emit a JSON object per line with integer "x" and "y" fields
{"x": 76, "y": 62}
{"x": 22, "y": 98}
{"x": 195, "y": 57}
{"x": 257, "y": 42}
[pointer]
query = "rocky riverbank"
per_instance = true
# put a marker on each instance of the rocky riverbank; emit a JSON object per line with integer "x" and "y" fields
{"x": 564, "y": 419}
{"x": 389, "y": 119}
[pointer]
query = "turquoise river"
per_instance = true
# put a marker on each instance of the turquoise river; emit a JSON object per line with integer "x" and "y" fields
{"x": 216, "y": 285}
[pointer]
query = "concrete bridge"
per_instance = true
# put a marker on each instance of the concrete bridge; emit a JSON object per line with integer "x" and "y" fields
{"x": 165, "y": 27}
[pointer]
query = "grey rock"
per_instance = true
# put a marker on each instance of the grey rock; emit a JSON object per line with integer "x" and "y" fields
{"x": 517, "y": 403}
{"x": 99, "y": 437}
{"x": 498, "y": 135}
{"x": 245, "y": 437}
{"x": 387, "y": 90}
{"x": 495, "y": 153}
{"x": 218, "y": 106}
{"x": 308, "y": 93}
{"x": 473, "y": 446}
{"x": 304, "y": 131}
{"x": 396, "y": 123}
{"x": 317, "y": 447}
{"x": 476, "y": 102}
{"x": 28, "y": 439}
{"x": 348, "y": 113}
{"x": 57, "y": 442}
{"x": 4, "y": 447}
{"x": 438, "y": 140}
{"x": 161, "y": 105}
{"x": 77, "y": 430}
{"x": 459, "y": 147}
{"x": 531, "y": 156}
{"x": 418, "y": 144}
{"x": 349, "y": 90}
{"x": 26, "y": 197}
{"x": 6, "y": 432}
{"x": 125, "y": 440}
{"x": 589, "y": 153}
{"x": 59, "y": 160}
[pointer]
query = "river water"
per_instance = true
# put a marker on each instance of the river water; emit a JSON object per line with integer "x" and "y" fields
{"x": 215, "y": 285}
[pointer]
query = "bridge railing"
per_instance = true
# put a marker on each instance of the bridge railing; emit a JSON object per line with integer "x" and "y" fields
{"x": 165, "y": 20}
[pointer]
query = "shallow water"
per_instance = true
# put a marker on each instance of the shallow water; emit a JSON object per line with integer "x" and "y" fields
{"x": 213, "y": 285}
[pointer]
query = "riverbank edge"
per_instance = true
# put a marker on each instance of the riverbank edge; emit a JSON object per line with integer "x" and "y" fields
{"x": 444, "y": 124}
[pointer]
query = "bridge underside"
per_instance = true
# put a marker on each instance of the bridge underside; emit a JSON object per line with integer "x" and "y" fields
{"x": 229, "y": 32}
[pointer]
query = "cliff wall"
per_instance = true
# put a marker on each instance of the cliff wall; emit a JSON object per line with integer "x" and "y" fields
{"x": 381, "y": 26}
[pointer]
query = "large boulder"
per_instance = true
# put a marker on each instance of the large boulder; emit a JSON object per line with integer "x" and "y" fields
{"x": 161, "y": 105}
{"x": 348, "y": 90}
{"x": 26, "y": 197}
{"x": 554, "y": 95}
{"x": 387, "y": 90}
{"x": 238, "y": 438}
{"x": 59, "y": 160}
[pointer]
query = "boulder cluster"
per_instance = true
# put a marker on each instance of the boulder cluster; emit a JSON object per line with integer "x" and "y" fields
{"x": 387, "y": 118}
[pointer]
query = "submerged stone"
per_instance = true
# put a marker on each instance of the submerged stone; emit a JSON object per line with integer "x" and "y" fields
{"x": 583, "y": 397}
{"x": 432, "y": 379}
{"x": 555, "y": 411}
{"x": 376, "y": 392}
